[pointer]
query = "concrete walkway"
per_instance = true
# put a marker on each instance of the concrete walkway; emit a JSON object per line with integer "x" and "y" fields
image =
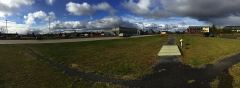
{"x": 170, "y": 49}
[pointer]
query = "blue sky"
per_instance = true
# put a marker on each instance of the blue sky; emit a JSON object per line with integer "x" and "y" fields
{"x": 28, "y": 14}
{"x": 59, "y": 8}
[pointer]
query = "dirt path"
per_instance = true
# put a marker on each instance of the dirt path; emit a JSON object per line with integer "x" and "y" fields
{"x": 171, "y": 40}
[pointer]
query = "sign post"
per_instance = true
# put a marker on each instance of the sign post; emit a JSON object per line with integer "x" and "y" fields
{"x": 181, "y": 42}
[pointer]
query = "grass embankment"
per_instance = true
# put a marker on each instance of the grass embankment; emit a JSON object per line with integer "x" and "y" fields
{"x": 199, "y": 51}
{"x": 124, "y": 58}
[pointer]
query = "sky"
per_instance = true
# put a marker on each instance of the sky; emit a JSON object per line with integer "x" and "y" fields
{"x": 28, "y": 15}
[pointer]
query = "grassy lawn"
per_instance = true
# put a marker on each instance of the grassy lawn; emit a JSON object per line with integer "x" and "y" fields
{"x": 235, "y": 72}
{"x": 127, "y": 59}
{"x": 124, "y": 58}
{"x": 199, "y": 51}
{"x": 20, "y": 70}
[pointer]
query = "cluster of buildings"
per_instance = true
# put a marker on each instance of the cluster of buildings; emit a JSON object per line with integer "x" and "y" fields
{"x": 198, "y": 29}
{"x": 116, "y": 31}
{"x": 207, "y": 29}
{"x": 232, "y": 28}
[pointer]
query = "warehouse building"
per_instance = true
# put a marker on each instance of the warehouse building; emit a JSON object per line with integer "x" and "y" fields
{"x": 126, "y": 31}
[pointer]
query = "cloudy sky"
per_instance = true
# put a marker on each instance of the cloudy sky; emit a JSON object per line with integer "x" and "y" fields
{"x": 23, "y": 15}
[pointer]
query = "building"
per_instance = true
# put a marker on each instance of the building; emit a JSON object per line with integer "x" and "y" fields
{"x": 198, "y": 29}
{"x": 9, "y": 35}
{"x": 126, "y": 31}
{"x": 206, "y": 29}
{"x": 232, "y": 28}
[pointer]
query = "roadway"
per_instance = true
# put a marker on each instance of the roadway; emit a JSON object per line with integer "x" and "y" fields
{"x": 64, "y": 40}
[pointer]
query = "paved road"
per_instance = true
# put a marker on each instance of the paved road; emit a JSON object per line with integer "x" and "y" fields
{"x": 63, "y": 40}
{"x": 55, "y": 41}
{"x": 141, "y": 36}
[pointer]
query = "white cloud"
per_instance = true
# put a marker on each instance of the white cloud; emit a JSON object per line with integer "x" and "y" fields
{"x": 79, "y": 9}
{"x": 214, "y": 11}
{"x": 101, "y": 24}
{"x": 50, "y": 2}
{"x": 52, "y": 16}
{"x": 163, "y": 21}
{"x": 13, "y": 27}
{"x": 104, "y": 7}
{"x": 140, "y": 7}
{"x": 7, "y": 7}
{"x": 147, "y": 8}
{"x": 68, "y": 25}
{"x": 16, "y": 3}
{"x": 87, "y": 9}
{"x": 31, "y": 17}
{"x": 104, "y": 23}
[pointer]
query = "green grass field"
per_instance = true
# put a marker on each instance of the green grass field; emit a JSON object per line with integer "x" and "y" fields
{"x": 124, "y": 58}
{"x": 128, "y": 59}
{"x": 18, "y": 69}
{"x": 200, "y": 51}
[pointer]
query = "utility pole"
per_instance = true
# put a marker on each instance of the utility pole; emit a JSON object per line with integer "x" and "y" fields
{"x": 49, "y": 23}
{"x": 143, "y": 27}
{"x": 6, "y": 26}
